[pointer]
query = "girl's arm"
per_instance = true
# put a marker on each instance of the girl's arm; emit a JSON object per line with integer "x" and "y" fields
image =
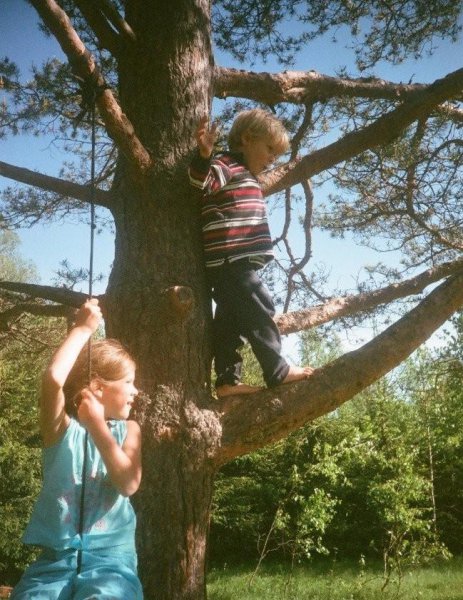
{"x": 53, "y": 418}
{"x": 122, "y": 463}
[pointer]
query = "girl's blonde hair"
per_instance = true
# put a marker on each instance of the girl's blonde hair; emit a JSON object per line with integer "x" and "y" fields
{"x": 110, "y": 361}
{"x": 259, "y": 124}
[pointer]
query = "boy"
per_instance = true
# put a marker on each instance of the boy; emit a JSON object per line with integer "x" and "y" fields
{"x": 237, "y": 243}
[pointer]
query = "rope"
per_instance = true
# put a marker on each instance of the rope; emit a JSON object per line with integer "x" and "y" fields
{"x": 89, "y": 95}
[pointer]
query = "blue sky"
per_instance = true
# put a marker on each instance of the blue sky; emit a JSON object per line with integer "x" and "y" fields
{"x": 21, "y": 40}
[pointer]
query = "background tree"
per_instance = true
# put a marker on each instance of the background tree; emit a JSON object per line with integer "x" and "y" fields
{"x": 26, "y": 342}
{"x": 434, "y": 386}
{"x": 398, "y": 152}
{"x": 355, "y": 483}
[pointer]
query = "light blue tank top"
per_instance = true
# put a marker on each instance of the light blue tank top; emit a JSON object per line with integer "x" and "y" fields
{"x": 109, "y": 519}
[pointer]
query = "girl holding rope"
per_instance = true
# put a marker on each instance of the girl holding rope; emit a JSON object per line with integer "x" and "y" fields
{"x": 83, "y": 520}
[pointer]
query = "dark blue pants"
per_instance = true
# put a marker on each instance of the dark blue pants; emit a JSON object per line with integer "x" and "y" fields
{"x": 244, "y": 310}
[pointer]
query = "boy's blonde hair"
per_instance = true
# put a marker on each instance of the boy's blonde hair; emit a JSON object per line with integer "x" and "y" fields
{"x": 259, "y": 124}
{"x": 110, "y": 361}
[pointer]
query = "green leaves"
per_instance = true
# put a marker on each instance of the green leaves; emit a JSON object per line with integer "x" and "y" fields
{"x": 381, "y": 477}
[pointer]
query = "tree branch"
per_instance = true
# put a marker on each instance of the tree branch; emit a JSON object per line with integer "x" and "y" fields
{"x": 300, "y": 87}
{"x": 381, "y": 132}
{"x": 113, "y": 16}
{"x": 7, "y": 317}
{"x": 106, "y": 35}
{"x": 54, "y": 184}
{"x": 253, "y": 421}
{"x": 60, "y": 295}
{"x": 83, "y": 64}
{"x": 349, "y": 305}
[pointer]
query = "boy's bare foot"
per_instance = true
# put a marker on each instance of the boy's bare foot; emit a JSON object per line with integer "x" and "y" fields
{"x": 297, "y": 373}
{"x": 234, "y": 390}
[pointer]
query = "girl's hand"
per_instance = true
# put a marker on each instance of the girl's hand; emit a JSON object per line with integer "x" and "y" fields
{"x": 90, "y": 408}
{"x": 206, "y": 137}
{"x": 89, "y": 315}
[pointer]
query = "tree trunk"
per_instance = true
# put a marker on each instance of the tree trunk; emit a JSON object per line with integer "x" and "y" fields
{"x": 156, "y": 301}
{"x": 174, "y": 500}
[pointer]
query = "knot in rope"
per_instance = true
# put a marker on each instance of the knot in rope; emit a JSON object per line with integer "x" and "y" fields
{"x": 90, "y": 91}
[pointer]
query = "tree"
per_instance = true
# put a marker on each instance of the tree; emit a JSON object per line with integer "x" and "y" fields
{"x": 152, "y": 69}
{"x": 434, "y": 386}
{"x": 26, "y": 343}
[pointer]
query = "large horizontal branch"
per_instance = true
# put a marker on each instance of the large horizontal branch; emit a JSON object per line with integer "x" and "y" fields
{"x": 252, "y": 421}
{"x": 9, "y": 316}
{"x": 346, "y": 306}
{"x": 382, "y": 131}
{"x": 83, "y": 64}
{"x": 303, "y": 87}
{"x": 47, "y": 292}
{"x": 54, "y": 184}
{"x": 300, "y": 87}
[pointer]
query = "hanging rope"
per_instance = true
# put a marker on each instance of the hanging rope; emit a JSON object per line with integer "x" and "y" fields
{"x": 90, "y": 94}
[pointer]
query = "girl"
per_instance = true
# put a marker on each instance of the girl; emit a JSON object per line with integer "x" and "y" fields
{"x": 83, "y": 519}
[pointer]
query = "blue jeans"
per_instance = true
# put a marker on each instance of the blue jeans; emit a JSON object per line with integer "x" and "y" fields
{"x": 105, "y": 575}
{"x": 244, "y": 310}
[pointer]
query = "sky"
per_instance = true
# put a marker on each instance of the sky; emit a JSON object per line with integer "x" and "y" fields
{"x": 47, "y": 245}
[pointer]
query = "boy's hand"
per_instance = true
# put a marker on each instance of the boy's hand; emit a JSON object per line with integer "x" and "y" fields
{"x": 89, "y": 315}
{"x": 206, "y": 137}
{"x": 90, "y": 408}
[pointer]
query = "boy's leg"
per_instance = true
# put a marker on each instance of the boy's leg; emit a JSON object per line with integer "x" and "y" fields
{"x": 226, "y": 342}
{"x": 250, "y": 307}
{"x": 226, "y": 338}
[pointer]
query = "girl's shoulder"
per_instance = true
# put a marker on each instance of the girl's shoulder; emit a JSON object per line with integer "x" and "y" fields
{"x": 132, "y": 428}
{"x": 118, "y": 428}
{"x": 122, "y": 429}
{"x": 133, "y": 437}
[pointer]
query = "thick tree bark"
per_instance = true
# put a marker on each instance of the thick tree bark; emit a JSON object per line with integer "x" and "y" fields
{"x": 156, "y": 301}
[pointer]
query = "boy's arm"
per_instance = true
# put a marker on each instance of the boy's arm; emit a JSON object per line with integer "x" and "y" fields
{"x": 53, "y": 418}
{"x": 208, "y": 174}
{"x": 206, "y": 137}
{"x": 123, "y": 463}
{"x": 204, "y": 173}
{"x": 199, "y": 172}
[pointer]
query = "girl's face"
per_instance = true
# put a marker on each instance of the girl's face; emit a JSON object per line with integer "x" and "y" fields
{"x": 118, "y": 396}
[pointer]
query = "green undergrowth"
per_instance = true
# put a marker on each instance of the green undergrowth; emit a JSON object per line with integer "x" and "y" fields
{"x": 338, "y": 581}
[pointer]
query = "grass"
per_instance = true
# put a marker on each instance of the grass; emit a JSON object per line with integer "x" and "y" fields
{"x": 339, "y": 581}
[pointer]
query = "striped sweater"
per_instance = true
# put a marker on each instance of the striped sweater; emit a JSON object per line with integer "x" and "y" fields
{"x": 234, "y": 218}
